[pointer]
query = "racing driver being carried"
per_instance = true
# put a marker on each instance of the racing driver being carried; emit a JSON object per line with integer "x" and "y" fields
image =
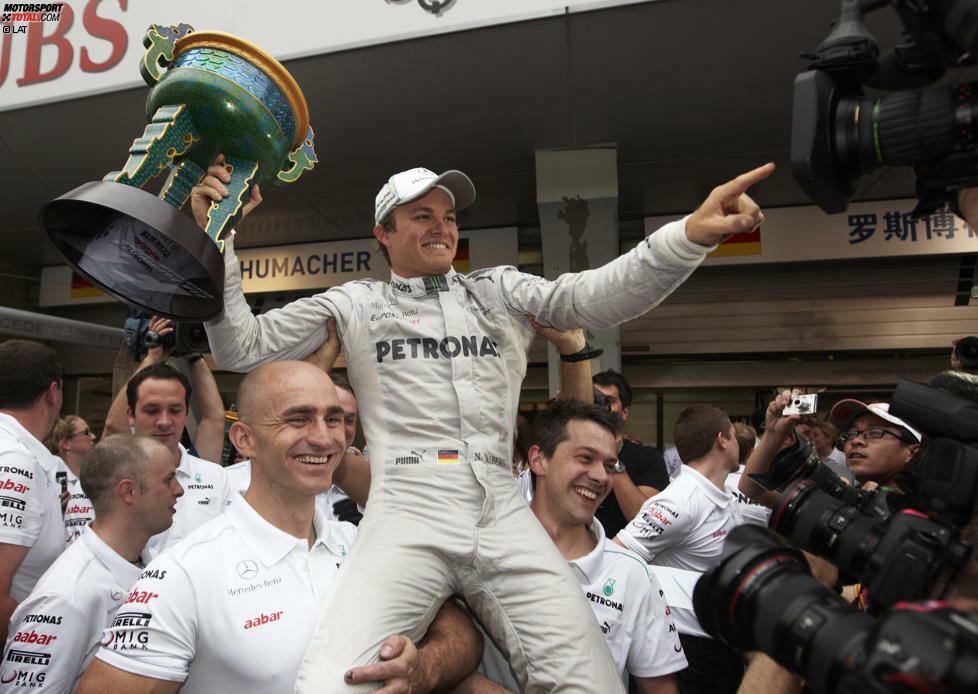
{"x": 437, "y": 359}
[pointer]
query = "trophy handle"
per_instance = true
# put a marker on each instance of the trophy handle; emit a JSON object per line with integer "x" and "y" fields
{"x": 159, "y": 42}
{"x": 222, "y": 216}
{"x": 170, "y": 134}
{"x": 303, "y": 159}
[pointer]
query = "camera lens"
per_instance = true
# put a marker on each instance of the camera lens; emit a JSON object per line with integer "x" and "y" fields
{"x": 762, "y": 597}
{"x": 797, "y": 461}
{"x": 829, "y": 527}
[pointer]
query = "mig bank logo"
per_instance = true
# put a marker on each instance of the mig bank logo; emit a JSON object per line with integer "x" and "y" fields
{"x": 609, "y": 587}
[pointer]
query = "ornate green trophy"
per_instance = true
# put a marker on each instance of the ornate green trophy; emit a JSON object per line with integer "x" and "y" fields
{"x": 219, "y": 94}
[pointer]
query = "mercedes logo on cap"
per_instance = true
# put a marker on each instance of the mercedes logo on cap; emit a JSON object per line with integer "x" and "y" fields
{"x": 247, "y": 569}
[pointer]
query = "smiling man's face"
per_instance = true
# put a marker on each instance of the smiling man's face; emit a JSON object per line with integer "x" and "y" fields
{"x": 293, "y": 433}
{"x": 424, "y": 238}
{"x": 579, "y": 475}
{"x": 161, "y": 411}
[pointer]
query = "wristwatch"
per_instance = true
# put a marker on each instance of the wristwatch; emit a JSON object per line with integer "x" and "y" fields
{"x": 583, "y": 354}
{"x": 618, "y": 468}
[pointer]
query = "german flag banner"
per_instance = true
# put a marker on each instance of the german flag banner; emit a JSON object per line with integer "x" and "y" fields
{"x": 744, "y": 243}
{"x": 82, "y": 288}
{"x": 461, "y": 262}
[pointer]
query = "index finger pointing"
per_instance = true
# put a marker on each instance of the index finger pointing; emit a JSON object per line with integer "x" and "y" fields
{"x": 746, "y": 180}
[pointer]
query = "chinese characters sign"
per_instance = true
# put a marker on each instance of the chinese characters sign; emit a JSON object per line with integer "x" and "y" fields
{"x": 865, "y": 230}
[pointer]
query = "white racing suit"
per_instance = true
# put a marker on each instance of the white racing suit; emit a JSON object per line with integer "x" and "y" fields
{"x": 437, "y": 365}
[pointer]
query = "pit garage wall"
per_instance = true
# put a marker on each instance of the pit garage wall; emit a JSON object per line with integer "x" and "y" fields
{"x": 730, "y": 335}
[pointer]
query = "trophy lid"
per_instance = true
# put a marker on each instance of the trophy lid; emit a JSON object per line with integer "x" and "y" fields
{"x": 265, "y": 62}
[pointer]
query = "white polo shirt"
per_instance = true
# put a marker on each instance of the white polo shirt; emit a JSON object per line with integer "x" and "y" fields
{"x": 206, "y": 492}
{"x": 684, "y": 526}
{"x": 55, "y": 632}
{"x": 239, "y": 476}
{"x": 630, "y": 608}
{"x": 745, "y": 509}
{"x": 79, "y": 511}
{"x": 30, "y": 506}
{"x": 231, "y": 608}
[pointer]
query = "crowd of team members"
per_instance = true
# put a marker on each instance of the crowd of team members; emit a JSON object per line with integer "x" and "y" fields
{"x": 168, "y": 554}
{"x": 181, "y": 574}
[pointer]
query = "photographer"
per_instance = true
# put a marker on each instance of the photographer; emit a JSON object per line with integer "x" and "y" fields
{"x": 778, "y": 432}
{"x": 878, "y": 445}
{"x": 208, "y": 440}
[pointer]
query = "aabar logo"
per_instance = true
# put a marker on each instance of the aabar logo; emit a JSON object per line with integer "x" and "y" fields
{"x": 141, "y": 596}
{"x": 660, "y": 516}
{"x": 16, "y": 487}
{"x": 33, "y": 637}
{"x": 263, "y": 619}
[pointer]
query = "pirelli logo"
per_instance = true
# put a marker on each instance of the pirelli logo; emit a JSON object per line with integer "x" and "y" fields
{"x": 12, "y": 502}
{"x": 132, "y": 619}
{"x": 28, "y": 657}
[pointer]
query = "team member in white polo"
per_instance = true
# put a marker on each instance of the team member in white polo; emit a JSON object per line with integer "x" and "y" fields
{"x": 158, "y": 397}
{"x": 32, "y": 534}
{"x": 70, "y": 441}
{"x": 684, "y": 527}
{"x": 573, "y": 455}
{"x": 57, "y": 629}
{"x": 745, "y": 509}
{"x": 231, "y": 607}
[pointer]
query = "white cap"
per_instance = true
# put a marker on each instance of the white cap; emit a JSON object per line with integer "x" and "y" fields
{"x": 845, "y": 411}
{"x": 410, "y": 185}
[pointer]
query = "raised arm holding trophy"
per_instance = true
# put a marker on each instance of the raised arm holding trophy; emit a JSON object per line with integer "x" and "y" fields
{"x": 218, "y": 94}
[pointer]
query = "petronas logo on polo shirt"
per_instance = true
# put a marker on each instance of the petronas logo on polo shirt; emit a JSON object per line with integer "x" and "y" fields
{"x": 609, "y": 586}
{"x": 197, "y": 478}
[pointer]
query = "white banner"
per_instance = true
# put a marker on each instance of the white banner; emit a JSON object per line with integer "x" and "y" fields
{"x": 865, "y": 230}
{"x": 64, "y": 50}
{"x": 304, "y": 267}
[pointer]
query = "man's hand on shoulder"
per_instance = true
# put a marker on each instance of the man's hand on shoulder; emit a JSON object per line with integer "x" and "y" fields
{"x": 399, "y": 668}
{"x": 728, "y": 210}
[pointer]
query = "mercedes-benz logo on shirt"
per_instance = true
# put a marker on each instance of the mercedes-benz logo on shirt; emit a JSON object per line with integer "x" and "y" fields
{"x": 247, "y": 569}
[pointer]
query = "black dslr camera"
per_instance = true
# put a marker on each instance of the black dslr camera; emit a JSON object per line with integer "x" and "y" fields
{"x": 761, "y": 596}
{"x": 838, "y": 135}
{"x": 898, "y": 547}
